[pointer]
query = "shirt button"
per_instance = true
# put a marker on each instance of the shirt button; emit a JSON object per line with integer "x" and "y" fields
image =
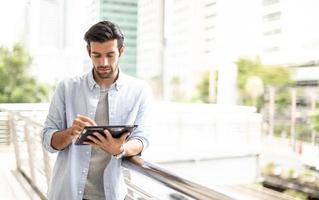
{"x": 91, "y": 113}
{"x": 87, "y": 153}
{"x": 80, "y": 192}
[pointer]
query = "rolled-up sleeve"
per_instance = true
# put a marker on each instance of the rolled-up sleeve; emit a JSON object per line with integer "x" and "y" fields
{"x": 142, "y": 132}
{"x": 56, "y": 119}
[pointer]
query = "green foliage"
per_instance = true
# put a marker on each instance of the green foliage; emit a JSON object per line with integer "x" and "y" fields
{"x": 314, "y": 120}
{"x": 283, "y": 98}
{"x": 271, "y": 169}
{"x": 276, "y": 76}
{"x": 282, "y": 129}
{"x": 16, "y": 85}
{"x": 203, "y": 89}
{"x": 247, "y": 68}
{"x": 303, "y": 132}
{"x": 202, "y": 92}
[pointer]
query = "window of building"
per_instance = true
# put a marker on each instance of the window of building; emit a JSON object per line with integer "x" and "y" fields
{"x": 210, "y": 4}
{"x": 120, "y": 3}
{"x": 272, "y": 17}
{"x": 269, "y": 2}
{"x": 272, "y": 32}
{"x": 271, "y": 49}
{"x": 212, "y": 27}
{"x": 210, "y": 16}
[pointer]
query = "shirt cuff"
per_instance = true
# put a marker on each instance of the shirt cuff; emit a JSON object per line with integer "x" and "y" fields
{"x": 143, "y": 141}
{"x": 47, "y": 141}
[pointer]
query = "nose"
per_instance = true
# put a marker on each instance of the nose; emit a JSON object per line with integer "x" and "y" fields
{"x": 105, "y": 61}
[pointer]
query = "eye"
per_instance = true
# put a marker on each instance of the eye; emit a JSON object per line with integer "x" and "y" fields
{"x": 110, "y": 55}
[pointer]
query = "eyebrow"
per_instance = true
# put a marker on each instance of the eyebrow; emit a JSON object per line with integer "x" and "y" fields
{"x": 111, "y": 52}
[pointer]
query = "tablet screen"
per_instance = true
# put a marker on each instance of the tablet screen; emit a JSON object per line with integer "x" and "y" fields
{"x": 116, "y": 131}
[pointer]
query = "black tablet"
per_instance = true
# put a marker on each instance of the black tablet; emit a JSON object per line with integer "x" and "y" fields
{"x": 116, "y": 131}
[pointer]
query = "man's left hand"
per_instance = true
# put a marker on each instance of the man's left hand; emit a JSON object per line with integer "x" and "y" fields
{"x": 111, "y": 145}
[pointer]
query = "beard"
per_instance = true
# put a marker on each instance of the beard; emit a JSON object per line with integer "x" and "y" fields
{"x": 105, "y": 72}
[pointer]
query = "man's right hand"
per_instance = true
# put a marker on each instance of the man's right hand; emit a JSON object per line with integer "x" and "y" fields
{"x": 78, "y": 125}
{"x": 61, "y": 139}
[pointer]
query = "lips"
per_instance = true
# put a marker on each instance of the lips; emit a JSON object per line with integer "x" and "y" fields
{"x": 104, "y": 69}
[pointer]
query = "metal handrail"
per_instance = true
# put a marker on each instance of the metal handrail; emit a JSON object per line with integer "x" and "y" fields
{"x": 173, "y": 181}
{"x": 135, "y": 163}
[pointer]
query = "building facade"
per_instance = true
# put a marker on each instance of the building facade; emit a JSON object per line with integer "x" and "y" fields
{"x": 151, "y": 43}
{"x": 124, "y": 13}
{"x": 51, "y": 37}
{"x": 205, "y": 37}
{"x": 290, "y": 37}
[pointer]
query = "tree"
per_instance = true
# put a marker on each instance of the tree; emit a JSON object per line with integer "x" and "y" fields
{"x": 16, "y": 85}
{"x": 276, "y": 76}
{"x": 254, "y": 87}
{"x": 315, "y": 121}
{"x": 202, "y": 93}
{"x": 205, "y": 89}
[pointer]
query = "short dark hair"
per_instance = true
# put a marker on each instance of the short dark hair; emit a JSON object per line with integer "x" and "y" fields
{"x": 104, "y": 31}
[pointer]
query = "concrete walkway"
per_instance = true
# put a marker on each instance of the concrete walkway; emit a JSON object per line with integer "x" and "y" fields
{"x": 12, "y": 185}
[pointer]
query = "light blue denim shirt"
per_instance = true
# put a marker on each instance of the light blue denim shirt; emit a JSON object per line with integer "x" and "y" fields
{"x": 129, "y": 103}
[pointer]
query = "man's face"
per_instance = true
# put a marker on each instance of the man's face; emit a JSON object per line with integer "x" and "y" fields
{"x": 105, "y": 58}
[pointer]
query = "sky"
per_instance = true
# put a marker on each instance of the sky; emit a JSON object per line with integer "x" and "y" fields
{"x": 11, "y": 18}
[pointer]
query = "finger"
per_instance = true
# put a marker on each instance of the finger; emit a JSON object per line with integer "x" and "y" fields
{"x": 124, "y": 136}
{"x": 72, "y": 132}
{"x": 99, "y": 136}
{"x": 94, "y": 140}
{"x": 107, "y": 134}
{"x": 78, "y": 127}
{"x": 86, "y": 119}
{"x": 76, "y": 130}
{"x": 79, "y": 122}
{"x": 76, "y": 133}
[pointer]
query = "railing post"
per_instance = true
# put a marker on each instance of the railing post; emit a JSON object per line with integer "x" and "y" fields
{"x": 127, "y": 178}
{"x": 293, "y": 118}
{"x": 14, "y": 139}
{"x": 313, "y": 111}
{"x": 47, "y": 165}
{"x": 30, "y": 153}
{"x": 271, "y": 112}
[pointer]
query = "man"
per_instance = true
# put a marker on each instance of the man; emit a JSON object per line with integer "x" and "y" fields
{"x": 104, "y": 96}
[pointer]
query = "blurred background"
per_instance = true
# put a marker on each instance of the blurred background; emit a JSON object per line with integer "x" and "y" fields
{"x": 235, "y": 86}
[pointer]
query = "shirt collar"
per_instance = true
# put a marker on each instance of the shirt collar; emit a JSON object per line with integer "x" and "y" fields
{"x": 121, "y": 80}
{"x": 91, "y": 80}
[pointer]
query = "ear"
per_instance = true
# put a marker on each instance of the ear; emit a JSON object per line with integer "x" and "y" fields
{"x": 122, "y": 50}
{"x": 88, "y": 48}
